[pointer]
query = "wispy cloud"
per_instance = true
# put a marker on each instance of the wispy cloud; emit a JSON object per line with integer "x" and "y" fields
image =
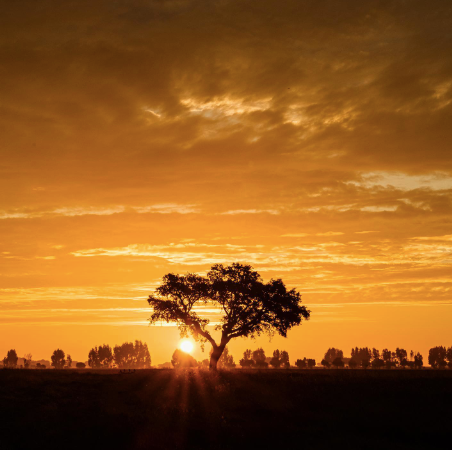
{"x": 166, "y": 208}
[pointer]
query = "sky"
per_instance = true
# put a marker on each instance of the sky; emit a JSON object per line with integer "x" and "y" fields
{"x": 312, "y": 140}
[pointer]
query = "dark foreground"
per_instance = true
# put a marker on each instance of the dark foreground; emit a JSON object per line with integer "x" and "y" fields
{"x": 318, "y": 409}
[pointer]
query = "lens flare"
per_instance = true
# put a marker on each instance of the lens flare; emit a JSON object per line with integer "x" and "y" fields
{"x": 186, "y": 346}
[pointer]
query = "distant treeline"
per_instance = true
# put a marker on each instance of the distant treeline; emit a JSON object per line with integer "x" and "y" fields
{"x": 136, "y": 356}
{"x": 128, "y": 355}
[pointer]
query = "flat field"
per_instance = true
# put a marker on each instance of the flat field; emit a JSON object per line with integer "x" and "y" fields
{"x": 168, "y": 409}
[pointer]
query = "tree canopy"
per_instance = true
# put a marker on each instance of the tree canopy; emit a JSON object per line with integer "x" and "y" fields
{"x": 58, "y": 359}
{"x": 249, "y": 307}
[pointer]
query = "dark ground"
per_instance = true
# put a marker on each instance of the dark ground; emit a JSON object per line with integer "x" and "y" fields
{"x": 165, "y": 409}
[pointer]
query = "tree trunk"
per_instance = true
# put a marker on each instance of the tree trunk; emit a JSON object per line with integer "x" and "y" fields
{"x": 216, "y": 354}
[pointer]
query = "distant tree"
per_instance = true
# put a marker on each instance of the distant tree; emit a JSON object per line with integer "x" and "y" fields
{"x": 418, "y": 361}
{"x": 182, "y": 360}
{"x": 100, "y": 357}
{"x": 10, "y": 360}
{"x": 301, "y": 363}
{"x": 127, "y": 355}
{"x": 280, "y": 359}
{"x": 449, "y": 357}
{"x": 142, "y": 358}
{"x": 404, "y": 363}
{"x": 353, "y": 364}
{"x": 365, "y": 363}
{"x": 358, "y": 354}
{"x": 333, "y": 353}
{"x": 311, "y": 363}
{"x": 247, "y": 360}
{"x": 276, "y": 360}
{"x": 375, "y": 353}
{"x": 285, "y": 362}
{"x": 260, "y": 359}
{"x": 27, "y": 360}
{"x": 40, "y": 366}
{"x": 57, "y": 358}
{"x": 69, "y": 361}
{"x": 105, "y": 356}
{"x": 80, "y": 365}
{"x": 250, "y": 306}
{"x": 124, "y": 355}
{"x": 337, "y": 362}
{"x": 326, "y": 364}
{"x": 388, "y": 358}
{"x": 410, "y": 364}
{"x": 402, "y": 357}
{"x": 377, "y": 363}
{"x": 437, "y": 357}
{"x": 93, "y": 358}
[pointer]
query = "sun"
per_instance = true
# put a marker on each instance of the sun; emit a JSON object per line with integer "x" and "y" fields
{"x": 186, "y": 346}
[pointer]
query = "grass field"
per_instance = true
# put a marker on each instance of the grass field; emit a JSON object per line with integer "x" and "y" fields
{"x": 318, "y": 409}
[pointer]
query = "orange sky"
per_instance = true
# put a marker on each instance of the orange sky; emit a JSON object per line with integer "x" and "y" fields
{"x": 310, "y": 139}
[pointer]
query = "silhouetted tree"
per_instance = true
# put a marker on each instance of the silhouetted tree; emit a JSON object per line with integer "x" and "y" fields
{"x": 353, "y": 363}
{"x": 93, "y": 358}
{"x": 276, "y": 360}
{"x": 250, "y": 307}
{"x": 100, "y": 357}
{"x": 69, "y": 361}
{"x": 375, "y": 353}
{"x": 183, "y": 360}
{"x": 311, "y": 363}
{"x": 280, "y": 358}
{"x": 301, "y": 363}
{"x": 57, "y": 359}
{"x": 27, "y": 360}
{"x": 437, "y": 357}
{"x": 418, "y": 361}
{"x": 337, "y": 362}
{"x": 260, "y": 359}
{"x": 80, "y": 365}
{"x": 388, "y": 358}
{"x": 333, "y": 353}
{"x": 142, "y": 358}
{"x": 377, "y": 363}
{"x": 449, "y": 357}
{"x": 401, "y": 356}
{"x": 285, "y": 362}
{"x": 365, "y": 363}
{"x": 325, "y": 363}
{"x": 358, "y": 354}
{"x": 129, "y": 355}
{"x": 247, "y": 360}
{"x": 123, "y": 355}
{"x": 10, "y": 360}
